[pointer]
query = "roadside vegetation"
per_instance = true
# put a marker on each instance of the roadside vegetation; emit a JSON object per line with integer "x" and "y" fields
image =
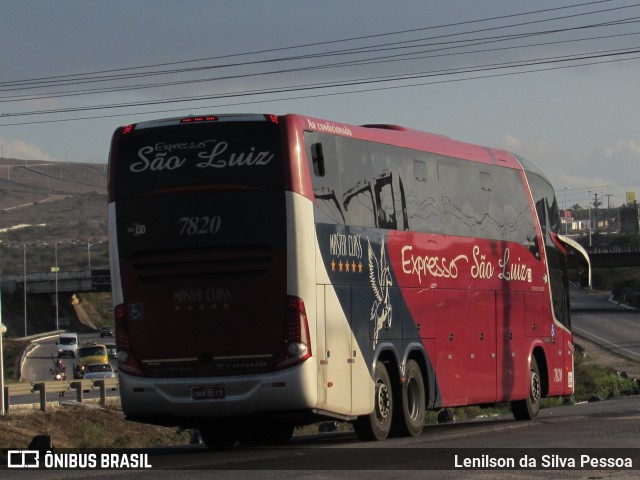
{"x": 597, "y": 382}
{"x": 593, "y": 383}
{"x": 85, "y": 426}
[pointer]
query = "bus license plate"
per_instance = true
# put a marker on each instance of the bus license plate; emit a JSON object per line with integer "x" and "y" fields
{"x": 208, "y": 392}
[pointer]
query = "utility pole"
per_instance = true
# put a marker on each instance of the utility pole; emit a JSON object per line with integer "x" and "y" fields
{"x": 589, "y": 204}
{"x": 608, "y": 195}
{"x": 24, "y": 258}
{"x": 595, "y": 209}
{"x": 2, "y": 330}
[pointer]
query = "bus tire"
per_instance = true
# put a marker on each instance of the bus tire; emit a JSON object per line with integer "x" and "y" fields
{"x": 377, "y": 425}
{"x": 217, "y": 438}
{"x": 408, "y": 417}
{"x": 528, "y": 408}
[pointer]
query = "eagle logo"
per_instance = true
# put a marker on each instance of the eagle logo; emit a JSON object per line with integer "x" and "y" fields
{"x": 380, "y": 277}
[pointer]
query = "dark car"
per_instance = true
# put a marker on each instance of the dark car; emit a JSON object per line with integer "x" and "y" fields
{"x": 111, "y": 350}
{"x": 106, "y": 332}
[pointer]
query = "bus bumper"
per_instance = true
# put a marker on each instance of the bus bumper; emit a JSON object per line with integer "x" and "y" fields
{"x": 163, "y": 399}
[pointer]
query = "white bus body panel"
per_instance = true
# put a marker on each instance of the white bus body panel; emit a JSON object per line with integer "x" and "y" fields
{"x": 292, "y": 389}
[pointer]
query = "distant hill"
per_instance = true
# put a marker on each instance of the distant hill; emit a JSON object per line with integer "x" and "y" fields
{"x": 43, "y": 203}
{"x": 35, "y": 176}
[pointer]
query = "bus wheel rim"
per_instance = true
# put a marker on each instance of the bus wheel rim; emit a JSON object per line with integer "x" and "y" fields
{"x": 536, "y": 388}
{"x": 384, "y": 401}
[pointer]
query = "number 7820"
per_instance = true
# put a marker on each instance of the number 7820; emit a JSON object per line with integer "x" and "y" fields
{"x": 204, "y": 225}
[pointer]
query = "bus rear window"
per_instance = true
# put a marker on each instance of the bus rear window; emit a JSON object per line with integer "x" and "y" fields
{"x": 231, "y": 155}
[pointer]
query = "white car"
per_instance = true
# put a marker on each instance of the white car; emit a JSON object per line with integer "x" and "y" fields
{"x": 99, "y": 371}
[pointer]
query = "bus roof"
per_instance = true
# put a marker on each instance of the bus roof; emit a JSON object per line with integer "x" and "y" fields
{"x": 409, "y": 138}
{"x": 387, "y": 134}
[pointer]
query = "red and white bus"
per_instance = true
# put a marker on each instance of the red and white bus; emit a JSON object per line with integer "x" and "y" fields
{"x": 272, "y": 271}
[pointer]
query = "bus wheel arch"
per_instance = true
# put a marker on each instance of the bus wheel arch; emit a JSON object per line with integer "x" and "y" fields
{"x": 541, "y": 360}
{"x": 538, "y": 386}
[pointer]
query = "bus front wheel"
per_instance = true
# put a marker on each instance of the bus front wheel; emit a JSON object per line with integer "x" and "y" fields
{"x": 528, "y": 408}
{"x": 377, "y": 425}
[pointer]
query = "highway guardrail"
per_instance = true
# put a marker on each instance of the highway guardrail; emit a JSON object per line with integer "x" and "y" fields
{"x": 42, "y": 388}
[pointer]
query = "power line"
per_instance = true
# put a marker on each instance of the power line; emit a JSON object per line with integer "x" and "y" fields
{"x": 306, "y": 96}
{"x": 83, "y": 78}
{"x": 315, "y": 44}
{"x": 393, "y": 58}
{"x": 412, "y": 56}
{"x": 369, "y": 80}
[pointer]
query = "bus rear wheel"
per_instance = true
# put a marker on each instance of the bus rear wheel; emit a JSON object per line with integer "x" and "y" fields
{"x": 408, "y": 419}
{"x": 377, "y": 425}
{"x": 528, "y": 408}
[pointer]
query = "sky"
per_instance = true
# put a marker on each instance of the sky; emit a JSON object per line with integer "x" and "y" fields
{"x": 556, "y": 81}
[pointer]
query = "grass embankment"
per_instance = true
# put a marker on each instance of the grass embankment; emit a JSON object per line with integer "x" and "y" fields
{"x": 85, "y": 426}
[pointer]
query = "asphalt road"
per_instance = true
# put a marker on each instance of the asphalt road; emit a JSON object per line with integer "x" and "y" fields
{"x": 608, "y": 325}
{"x": 41, "y": 359}
{"x": 600, "y": 430}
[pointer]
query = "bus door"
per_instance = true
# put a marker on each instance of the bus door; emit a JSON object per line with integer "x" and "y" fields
{"x": 336, "y": 370}
{"x": 344, "y": 380}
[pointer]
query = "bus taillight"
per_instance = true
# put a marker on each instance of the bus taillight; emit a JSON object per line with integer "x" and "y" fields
{"x": 126, "y": 362}
{"x": 209, "y": 118}
{"x": 297, "y": 341}
{"x": 122, "y": 338}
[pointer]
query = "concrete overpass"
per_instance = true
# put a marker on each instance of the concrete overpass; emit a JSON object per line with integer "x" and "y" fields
{"x": 608, "y": 257}
{"x": 74, "y": 281}
{"x": 100, "y": 280}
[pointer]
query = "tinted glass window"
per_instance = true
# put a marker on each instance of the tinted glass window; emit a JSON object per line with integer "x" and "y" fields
{"x": 486, "y": 195}
{"x": 322, "y": 152}
{"x": 358, "y": 196}
{"x": 518, "y": 220}
{"x": 548, "y": 213}
{"x": 458, "y": 211}
{"x": 374, "y": 185}
{"x": 423, "y": 194}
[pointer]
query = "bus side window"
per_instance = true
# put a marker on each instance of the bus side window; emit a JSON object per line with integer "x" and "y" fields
{"x": 518, "y": 218}
{"x": 385, "y": 208}
{"x": 323, "y": 163}
{"x": 422, "y": 192}
{"x": 317, "y": 156}
{"x": 403, "y": 206}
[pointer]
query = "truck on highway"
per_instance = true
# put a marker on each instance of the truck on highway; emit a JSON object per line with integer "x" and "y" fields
{"x": 67, "y": 344}
{"x": 86, "y": 355}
